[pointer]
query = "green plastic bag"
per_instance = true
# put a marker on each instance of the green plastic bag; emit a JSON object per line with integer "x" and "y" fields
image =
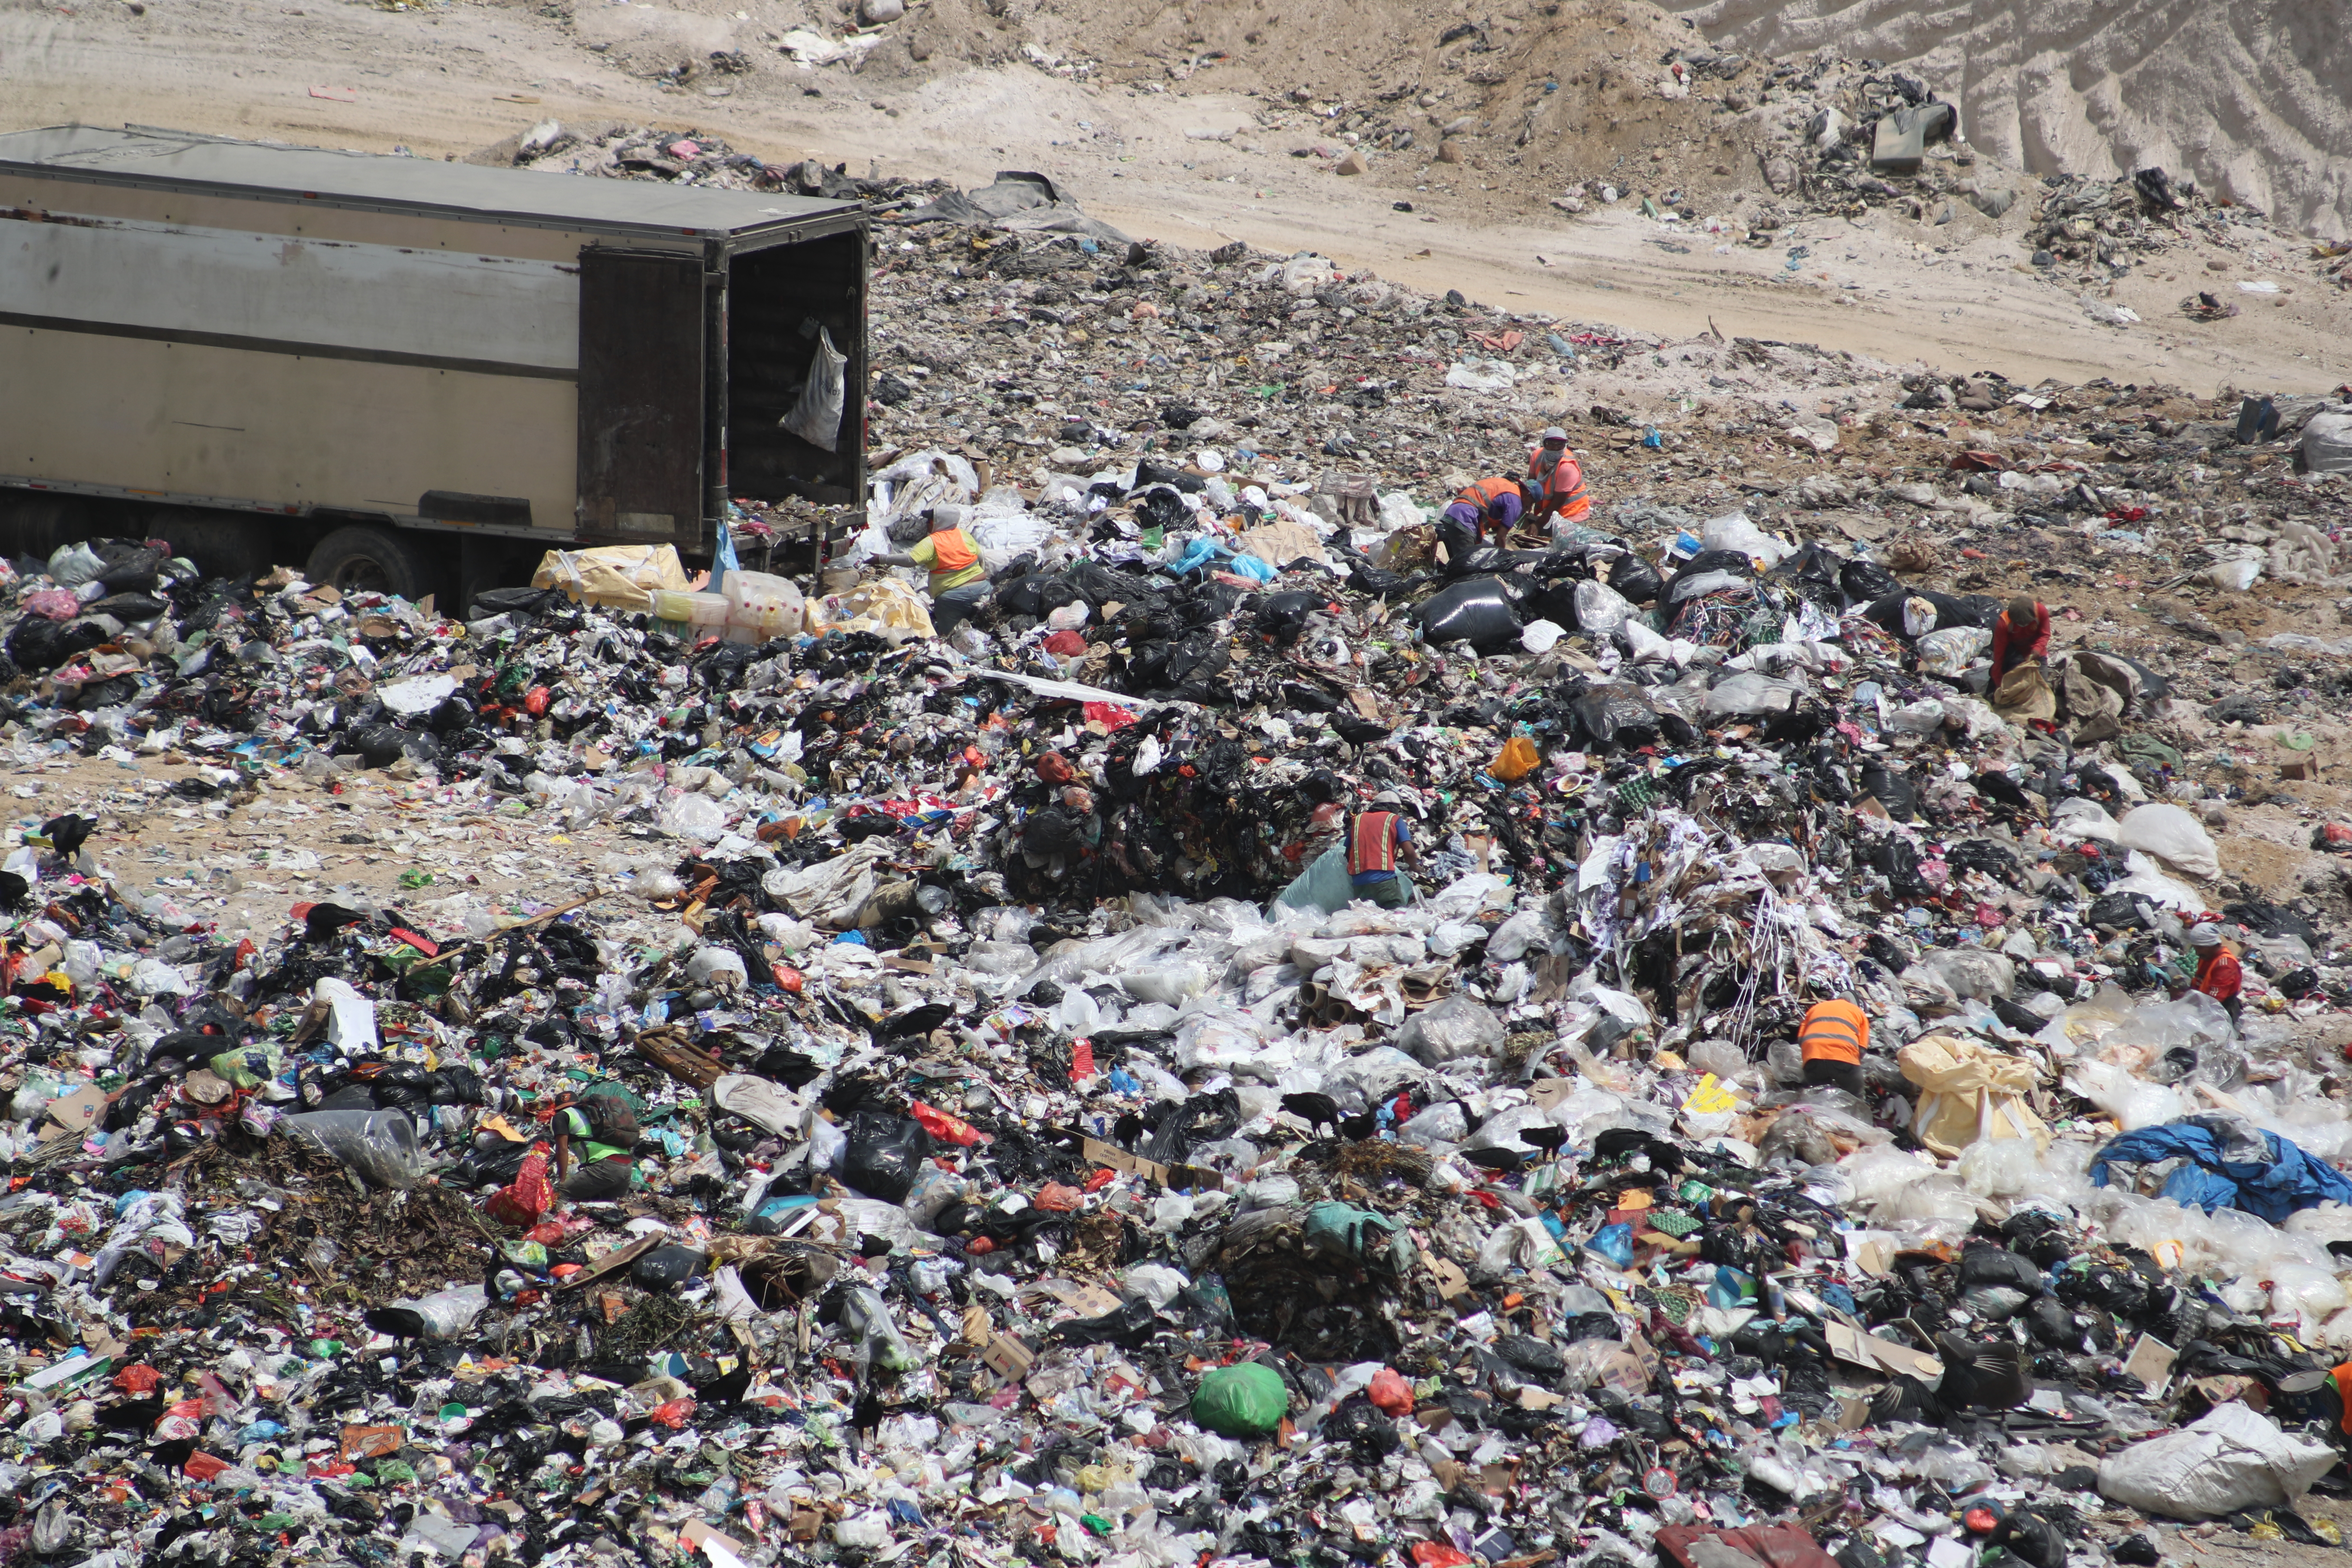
{"x": 1367, "y": 1237}
{"x": 1245, "y": 1400}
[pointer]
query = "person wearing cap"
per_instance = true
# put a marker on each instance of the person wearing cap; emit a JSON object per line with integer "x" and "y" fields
{"x": 1375, "y": 840}
{"x": 2022, "y": 632}
{"x": 1489, "y": 508}
{"x": 1556, "y": 479}
{"x": 1832, "y": 1040}
{"x": 2219, "y": 974}
{"x": 959, "y": 577}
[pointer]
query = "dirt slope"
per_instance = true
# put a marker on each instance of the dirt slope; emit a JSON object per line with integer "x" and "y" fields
{"x": 2253, "y": 98}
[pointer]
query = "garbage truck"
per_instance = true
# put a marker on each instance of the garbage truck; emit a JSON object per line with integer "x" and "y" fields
{"x": 408, "y": 374}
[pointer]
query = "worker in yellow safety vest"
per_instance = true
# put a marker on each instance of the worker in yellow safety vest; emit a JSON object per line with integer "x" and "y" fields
{"x": 959, "y": 577}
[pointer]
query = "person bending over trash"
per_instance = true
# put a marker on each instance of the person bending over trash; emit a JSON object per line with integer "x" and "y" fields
{"x": 959, "y": 578}
{"x": 1556, "y": 479}
{"x": 1375, "y": 839}
{"x": 2219, "y": 974}
{"x": 2021, "y": 633}
{"x": 1489, "y": 508}
{"x": 1832, "y": 1040}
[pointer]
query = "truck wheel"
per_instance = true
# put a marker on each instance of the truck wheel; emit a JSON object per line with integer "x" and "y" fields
{"x": 367, "y": 560}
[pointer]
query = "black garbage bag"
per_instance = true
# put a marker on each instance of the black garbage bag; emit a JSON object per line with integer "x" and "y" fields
{"x": 1554, "y": 602}
{"x": 1982, "y": 1263}
{"x": 1281, "y": 618}
{"x": 1148, "y": 473}
{"x": 1479, "y": 611}
{"x": 1161, "y": 508}
{"x": 2119, "y": 911}
{"x": 1983, "y": 854}
{"x": 385, "y": 744}
{"x": 1866, "y": 581}
{"x": 110, "y": 693}
{"x": 1891, "y": 790}
{"x": 39, "y": 645}
{"x": 1615, "y": 717}
{"x": 130, "y": 566}
{"x": 521, "y": 603}
{"x": 883, "y": 1153}
{"x": 2267, "y": 919}
{"x": 1815, "y": 563}
{"x": 667, "y": 1268}
{"x": 1739, "y": 563}
{"x": 1130, "y": 1325}
{"x": 1366, "y": 578}
{"x": 1024, "y": 596}
{"x": 1099, "y": 584}
{"x": 1636, "y": 579}
{"x": 1898, "y": 860}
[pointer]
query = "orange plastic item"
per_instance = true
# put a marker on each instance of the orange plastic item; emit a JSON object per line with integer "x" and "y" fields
{"x": 980, "y": 1246}
{"x": 673, "y": 1413}
{"x": 535, "y": 701}
{"x": 203, "y": 1467}
{"x": 138, "y": 1378}
{"x": 1059, "y": 1199}
{"x": 788, "y": 979}
{"x": 1438, "y": 1554}
{"x": 1517, "y": 759}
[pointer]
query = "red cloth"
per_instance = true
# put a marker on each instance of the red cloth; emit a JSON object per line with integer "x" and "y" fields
{"x": 2220, "y": 975}
{"x": 2008, "y": 647}
{"x": 531, "y": 1194}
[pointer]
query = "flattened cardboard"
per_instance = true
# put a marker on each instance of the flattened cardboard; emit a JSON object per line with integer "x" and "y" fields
{"x": 1859, "y": 1349}
{"x": 617, "y": 1258}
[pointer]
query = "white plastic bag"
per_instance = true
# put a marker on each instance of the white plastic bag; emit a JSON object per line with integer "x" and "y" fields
{"x": 2231, "y": 1458}
{"x": 817, "y": 417}
{"x": 2173, "y": 837}
{"x": 1457, "y": 1027}
{"x": 1600, "y": 610}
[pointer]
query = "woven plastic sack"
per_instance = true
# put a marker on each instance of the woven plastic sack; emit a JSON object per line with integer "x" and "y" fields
{"x": 1969, "y": 1091}
{"x": 1243, "y": 1401}
{"x": 817, "y": 417}
{"x": 2231, "y": 1458}
{"x": 617, "y": 576}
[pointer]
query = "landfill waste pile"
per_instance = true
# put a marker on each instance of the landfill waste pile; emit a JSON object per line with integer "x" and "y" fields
{"x": 636, "y": 1071}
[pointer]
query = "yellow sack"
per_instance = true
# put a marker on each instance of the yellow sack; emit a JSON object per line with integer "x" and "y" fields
{"x": 884, "y": 605}
{"x": 1969, "y": 1091}
{"x": 2023, "y": 696}
{"x": 616, "y": 577}
{"x": 1517, "y": 759}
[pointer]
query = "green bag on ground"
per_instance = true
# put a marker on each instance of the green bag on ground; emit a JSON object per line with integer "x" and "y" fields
{"x": 1245, "y": 1400}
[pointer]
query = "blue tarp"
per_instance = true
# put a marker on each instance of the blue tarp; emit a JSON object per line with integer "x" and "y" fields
{"x": 2218, "y": 1176}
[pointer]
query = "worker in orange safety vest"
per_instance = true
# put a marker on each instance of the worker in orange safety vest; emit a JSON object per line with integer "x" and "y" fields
{"x": 1557, "y": 480}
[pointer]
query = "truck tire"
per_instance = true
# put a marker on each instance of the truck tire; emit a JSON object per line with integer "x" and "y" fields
{"x": 369, "y": 559}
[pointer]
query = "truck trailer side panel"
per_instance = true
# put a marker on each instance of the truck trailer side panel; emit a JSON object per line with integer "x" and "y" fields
{"x": 214, "y": 425}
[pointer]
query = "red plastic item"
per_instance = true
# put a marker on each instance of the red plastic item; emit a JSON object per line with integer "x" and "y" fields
{"x": 1059, "y": 1199}
{"x": 789, "y": 980}
{"x": 1106, "y": 1176}
{"x": 980, "y": 1246}
{"x": 535, "y": 701}
{"x": 673, "y": 1413}
{"x": 1066, "y": 645}
{"x": 1439, "y": 1554}
{"x": 530, "y": 1196}
{"x": 1390, "y": 1392}
{"x": 138, "y": 1378}
{"x": 1055, "y": 768}
{"x": 1109, "y": 715}
{"x": 945, "y": 1128}
{"x": 1082, "y": 1061}
{"x": 203, "y": 1467}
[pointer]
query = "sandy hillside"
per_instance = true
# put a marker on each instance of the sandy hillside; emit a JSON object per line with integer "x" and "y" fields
{"x": 2253, "y": 100}
{"x": 1233, "y": 119}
